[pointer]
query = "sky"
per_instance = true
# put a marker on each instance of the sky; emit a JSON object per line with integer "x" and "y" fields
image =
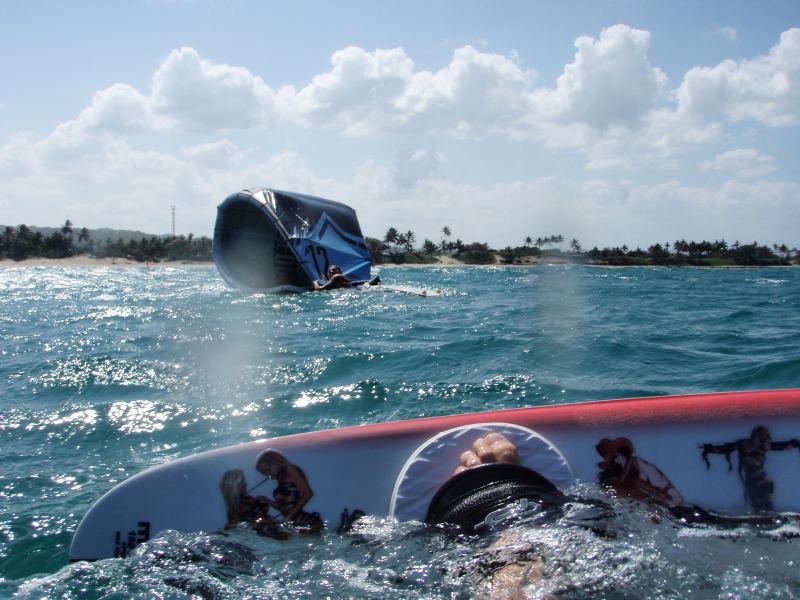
{"x": 609, "y": 121}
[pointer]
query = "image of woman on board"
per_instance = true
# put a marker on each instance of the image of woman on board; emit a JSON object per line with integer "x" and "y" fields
{"x": 632, "y": 476}
{"x": 292, "y": 493}
{"x": 243, "y": 508}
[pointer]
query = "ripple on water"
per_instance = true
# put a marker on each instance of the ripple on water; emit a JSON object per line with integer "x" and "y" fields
{"x": 109, "y": 371}
{"x": 626, "y": 553}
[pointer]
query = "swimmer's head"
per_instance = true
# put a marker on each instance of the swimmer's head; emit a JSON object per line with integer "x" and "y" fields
{"x": 487, "y": 497}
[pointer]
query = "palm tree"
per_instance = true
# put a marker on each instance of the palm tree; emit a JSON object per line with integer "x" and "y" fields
{"x": 23, "y": 246}
{"x": 391, "y": 238}
{"x": 402, "y": 240}
{"x": 376, "y": 249}
{"x": 24, "y": 233}
{"x": 410, "y": 239}
{"x": 575, "y": 246}
{"x": 428, "y": 247}
{"x": 38, "y": 243}
{"x": 66, "y": 230}
{"x": 83, "y": 236}
{"x": 528, "y": 242}
{"x": 447, "y": 233}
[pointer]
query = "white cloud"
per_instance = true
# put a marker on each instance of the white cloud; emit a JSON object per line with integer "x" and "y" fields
{"x": 476, "y": 94}
{"x": 358, "y": 95}
{"x": 105, "y": 182}
{"x": 99, "y": 183}
{"x": 412, "y": 166}
{"x": 606, "y": 213}
{"x": 765, "y": 89}
{"x": 369, "y": 93}
{"x": 111, "y": 165}
{"x": 608, "y": 95}
{"x": 727, "y": 33}
{"x": 608, "y": 103}
{"x": 743, "y": 162}
{"x": 17, "y": 156}
{"x": 191, "y": 93}
{"x": 219, "y": 154}
{"x": 287, "y": 171}
{"x": 596, "y": 211}
{"x": 67, "y": 145}
{"x": 187, "y": 93}
{"x": 658, "y": 143}
{"x": 117, "y": 109}
{"x": 610, "y": 82}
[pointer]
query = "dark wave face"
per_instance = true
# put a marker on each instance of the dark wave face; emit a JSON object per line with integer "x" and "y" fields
{"x": 107, "y": 372}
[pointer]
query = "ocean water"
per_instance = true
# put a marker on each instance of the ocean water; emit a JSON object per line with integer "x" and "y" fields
{"x": 106, "y": 372}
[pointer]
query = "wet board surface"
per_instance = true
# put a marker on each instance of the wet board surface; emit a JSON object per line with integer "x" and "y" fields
{"x": 697, "y": 449}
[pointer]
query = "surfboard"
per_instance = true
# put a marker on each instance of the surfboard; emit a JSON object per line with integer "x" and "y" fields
{"x": 405, "y": 289}
{"x": 734, "y": 452}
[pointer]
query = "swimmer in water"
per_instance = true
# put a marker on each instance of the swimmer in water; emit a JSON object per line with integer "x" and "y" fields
{"x": 336, "y": 280}
{"x": 488, "y": 489}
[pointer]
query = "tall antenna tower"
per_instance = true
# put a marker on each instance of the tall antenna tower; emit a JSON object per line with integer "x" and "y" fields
{"x": 173, "y": 220}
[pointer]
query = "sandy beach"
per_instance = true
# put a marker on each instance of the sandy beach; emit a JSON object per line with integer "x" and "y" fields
{"x": 449, "y": 261}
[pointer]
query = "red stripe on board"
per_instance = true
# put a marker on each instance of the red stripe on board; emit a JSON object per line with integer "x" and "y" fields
{"x": 652, "y": 410}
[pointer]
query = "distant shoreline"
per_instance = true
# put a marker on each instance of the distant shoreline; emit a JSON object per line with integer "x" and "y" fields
{"x": 442, "y": 261}
{"x": 86, "y": 261}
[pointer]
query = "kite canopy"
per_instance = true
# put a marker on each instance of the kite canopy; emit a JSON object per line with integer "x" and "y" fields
{"x": 271, "y": 241}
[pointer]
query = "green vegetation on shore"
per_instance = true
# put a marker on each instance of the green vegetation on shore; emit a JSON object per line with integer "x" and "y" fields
{"x": 21, "y": 242}
{"x": 703, "y": 254}
{"x": 398, "y": 248}
{"x": 26, "y": 242}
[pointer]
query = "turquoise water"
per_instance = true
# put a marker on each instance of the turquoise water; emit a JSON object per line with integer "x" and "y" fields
{"x": 106, "y": 372}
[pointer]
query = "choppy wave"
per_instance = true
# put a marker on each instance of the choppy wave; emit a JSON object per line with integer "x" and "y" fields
{"x": 109, "y": 371}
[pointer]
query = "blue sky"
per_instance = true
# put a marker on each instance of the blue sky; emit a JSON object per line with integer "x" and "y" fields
{"x": 614, "y": 122}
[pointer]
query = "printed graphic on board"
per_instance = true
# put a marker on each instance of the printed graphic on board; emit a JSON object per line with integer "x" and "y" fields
{"x": 292, "y": 492}
{"x": 752, "y": 455}
{"x": 632, "y": 476}
{"x": 276, "y": 517}
{"x": 243, "y": 508}
{"x": 124, "y": 544}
